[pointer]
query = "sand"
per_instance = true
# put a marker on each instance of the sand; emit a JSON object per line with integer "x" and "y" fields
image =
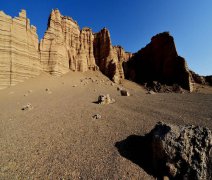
{"x": 57, "y": 138}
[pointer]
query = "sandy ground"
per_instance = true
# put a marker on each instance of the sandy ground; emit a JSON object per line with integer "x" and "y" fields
{"x": 59, "y": 139}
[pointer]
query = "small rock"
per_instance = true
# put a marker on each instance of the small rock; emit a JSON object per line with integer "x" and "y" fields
{"x": 48, "y": 91}
{"x": 125, "y": 93}
{"x": 119, "y": 88}
{"x": 97, "y": 116}
{"x": 27, "y": 107}
{"x": 105, "y": 99}
{"x": 29, "y": 91}
{"x": 151, "y": 92}
{"x": 165, "y": 178}
{"x": 74, "y": 85}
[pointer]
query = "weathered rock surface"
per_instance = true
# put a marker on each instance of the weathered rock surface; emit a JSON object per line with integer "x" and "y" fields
{"x": 157, "y": 87}
{"x": 108, "y": 58}
{"x": 19, "y": 55}
{"x": 105, "y": 99}
{"x": 124, "y": 93}
{"x": 159, "y": 61}
{"x": 196, "y": 78}
{"x": 182, "y": 152}
{"x": 65, "y": 46}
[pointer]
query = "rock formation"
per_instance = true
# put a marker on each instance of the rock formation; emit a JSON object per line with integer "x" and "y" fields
{"x": 196, "y": 78}
{"x": 65, "y": 46}
{"x": 159, "y": 61}
{"x": 109, "y": 58}
{"x": 182, "y": 152}
{"x": 19, "y": 55}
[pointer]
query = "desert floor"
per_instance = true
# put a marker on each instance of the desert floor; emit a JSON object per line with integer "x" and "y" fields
{"x": 59, "y": 139}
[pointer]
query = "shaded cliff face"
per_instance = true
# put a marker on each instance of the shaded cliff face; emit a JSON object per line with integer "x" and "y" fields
{"x": 65, "y": 46}
{"x": 19, "y": 55}
{"x": 109, "y": 59}
{"x": 159, "y": 61}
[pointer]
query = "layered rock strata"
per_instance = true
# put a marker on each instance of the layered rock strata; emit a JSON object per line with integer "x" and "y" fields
{"x": 65, "y": 46}
{"x": 159, "y": 61}
{"x": 19, "y": 55}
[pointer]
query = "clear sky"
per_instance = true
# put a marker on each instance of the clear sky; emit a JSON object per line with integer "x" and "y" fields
{"x": 132, "y": 23}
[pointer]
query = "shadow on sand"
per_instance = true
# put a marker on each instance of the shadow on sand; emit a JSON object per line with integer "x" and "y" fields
{"x": 138, "y": 150}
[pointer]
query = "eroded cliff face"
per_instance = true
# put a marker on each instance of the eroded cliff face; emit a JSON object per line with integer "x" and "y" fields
{"x": 159, "y": 61}
{"x": 109, "y": 59}
{"x": 66, "y": 47}
{"x": 19, "y": 55}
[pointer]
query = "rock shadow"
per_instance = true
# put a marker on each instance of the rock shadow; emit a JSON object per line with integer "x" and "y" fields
{"x": 138, "y": 150}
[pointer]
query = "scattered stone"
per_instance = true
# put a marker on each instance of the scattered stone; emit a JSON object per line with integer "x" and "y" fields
{"x": 182, "y": 152}
{"x": 157, "y": 87}
{"x": 97, "y": 116}
{"x": 75, "y": 85}
{"x": 105, "y": 99}
{"x": 151, "y": 92}
{"x": 48, "y": 90}
{"x": 125, "y": 93}
{"x": 27, "y": 107}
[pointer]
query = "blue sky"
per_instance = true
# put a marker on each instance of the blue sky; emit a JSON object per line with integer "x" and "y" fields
{"x": 132, "y": 23}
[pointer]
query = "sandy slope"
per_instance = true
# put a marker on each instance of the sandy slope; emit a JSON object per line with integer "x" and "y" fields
{"x": 59, "y": 139}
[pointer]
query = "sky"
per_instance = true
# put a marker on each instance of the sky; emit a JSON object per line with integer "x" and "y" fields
{"x": 132, "y": 23}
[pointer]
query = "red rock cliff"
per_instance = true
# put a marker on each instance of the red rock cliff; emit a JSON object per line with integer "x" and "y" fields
{"x": 159, "y": 61}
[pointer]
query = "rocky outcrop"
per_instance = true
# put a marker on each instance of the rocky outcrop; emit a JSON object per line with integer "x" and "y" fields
{"x": 159, "y": 61}
{"x": 196, "y": 78}
{"x": 182, "y": 152}
{"x": 108, "y": 58}
{"x": 19, "y": 55}
{"x": 65, "y": 46}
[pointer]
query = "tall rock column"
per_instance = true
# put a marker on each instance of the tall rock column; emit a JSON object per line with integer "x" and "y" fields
{"x": 65, "y": 46}
{"x": 109, "y": 58}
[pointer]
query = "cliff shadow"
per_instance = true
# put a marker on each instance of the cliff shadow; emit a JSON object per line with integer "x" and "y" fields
{"x": 138, "y": 150}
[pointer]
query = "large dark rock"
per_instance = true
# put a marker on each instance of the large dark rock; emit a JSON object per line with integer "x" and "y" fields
{"x": 159, "y": 61}
{"x": 182, "y": 152}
